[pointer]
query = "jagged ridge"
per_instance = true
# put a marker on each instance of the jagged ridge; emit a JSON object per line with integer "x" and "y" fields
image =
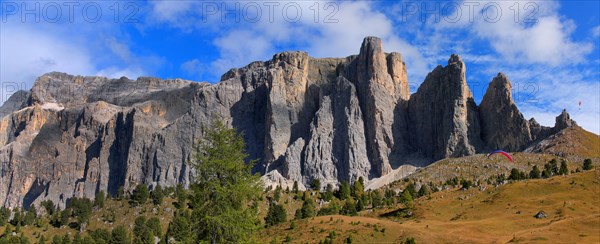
{"x": 331, "y": 119}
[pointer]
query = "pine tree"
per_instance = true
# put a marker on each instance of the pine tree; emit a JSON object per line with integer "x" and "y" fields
{"x": 180, "y": 227}
{"x": 587, "y": 164}
{"x": 101, "y": 235}
{"x": 142, "y": 234}
{"x": 295, "y": 187}
{"x": 514, "y": 174}
{"x": 277, "y": 193}
{"x": 42, "y": 240}
{"x": 423, "y": 191}
{"x": 376, "y": 198}
{"x": 65, "y": 215}
{"x": 406, "y": 198}
{"x": 30, "y": 216}
{"x": 182, "y": 195}
{"x": 328, "y": 195}
{"x": 564, "y": 170}
{"x": 224, "y": 189}
{"x": 315, "y": 184}
{"x": 308, "y": 209}
{"x": 77, "y": 239}
{"x": 140, "y": 194}
{"x": 57, "y": 240}
{"x": 120, "y": 193}
{"x": 99, "y": 199}
{"x": 139, "y": 229}
{"x": 546, "y": 174}
{"x": 49, "y": 207}
{"x": 81, "y": 209}
{"x": 535, "y": 173}
{"x": 120, "y": 235}
{"x": 275, "y": 215}
{"x": 361, "y": 203}
{"x": 344, "y": 191}
{"x": 358, "y": 188}
{"x": 157, "y": 195}
{"x": 349, "y": 207}
{"x": 154, "y": 226}
{"x": 17, "y": 217}
{"x": 554, "y": 167}
{"x": 411, "y": 189}
{"x": 66, "y": 239}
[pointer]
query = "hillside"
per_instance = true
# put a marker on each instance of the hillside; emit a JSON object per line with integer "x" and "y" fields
{"x": 495, "y": 215}
{"x": 572, "y": 141}
{"x": 480, "y": 167}
{"x": 487, "y": 212}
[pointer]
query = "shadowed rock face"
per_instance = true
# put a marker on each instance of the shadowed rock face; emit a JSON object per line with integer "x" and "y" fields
{"x": 442, "y": 115}
{"x": 503, "y": 126}
{"x": 331, "y": 119}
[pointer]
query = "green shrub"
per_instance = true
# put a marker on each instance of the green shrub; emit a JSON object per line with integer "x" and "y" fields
{"x": 140, "y": 194}
{"x": 587, "y": 164}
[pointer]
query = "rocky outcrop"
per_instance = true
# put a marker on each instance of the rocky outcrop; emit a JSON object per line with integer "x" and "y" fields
{"x": 502, "y": 125}
{"x": 303, "y": 118}
{"x": 442, "y": 115}
{"x": 563, "y": 121}
{"x": 16, "y": 101}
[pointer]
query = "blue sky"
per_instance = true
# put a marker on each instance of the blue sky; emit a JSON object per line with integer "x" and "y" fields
{"x": 550, "y": 50}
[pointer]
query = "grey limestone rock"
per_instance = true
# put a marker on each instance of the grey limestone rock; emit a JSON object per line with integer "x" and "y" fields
{"x": 303, "y": 118}
{"x": 443, "y": 117}
{"x": 502, "y": 125}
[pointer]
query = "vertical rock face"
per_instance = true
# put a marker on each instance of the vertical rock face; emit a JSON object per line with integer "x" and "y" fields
{"x": 303, "y": 118}
{"x": 381, "y": 82}
{"x": 502, "y": 125}
{"x": 443, "y": 119}
{"x": 336, "y": 150}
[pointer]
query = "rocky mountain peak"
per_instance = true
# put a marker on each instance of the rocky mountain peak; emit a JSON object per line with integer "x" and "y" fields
{"x": 372, "y": 65}
{"x": 454, "y": 58}
{"x": 297, "y": 59}
{"x": 371, "y": 45}
{"x": 503, "y": 125}
{"x": 304, "y": 118}
{"x": 499, "y": 91}
{"x": 443, "y": 118}
{"x": 564, "y": 121}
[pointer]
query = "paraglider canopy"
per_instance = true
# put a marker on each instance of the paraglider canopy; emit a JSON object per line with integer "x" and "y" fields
{"x": 501, "y": 152}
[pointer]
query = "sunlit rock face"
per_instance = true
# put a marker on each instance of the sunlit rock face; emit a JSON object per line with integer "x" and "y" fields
{"x": 303, "y": 118}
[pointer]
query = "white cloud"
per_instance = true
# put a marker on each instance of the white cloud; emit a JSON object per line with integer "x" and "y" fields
{"x": 239, "y": 47}
{"x": 596, "y": 31}
{"x": 336, "y": 35}
{"x": 540, "y": 37}
{"x": 543, "y": 93}
{"x": 193, "y": 67}
{"x": 120, "y": 49}
{"x": 546, "y": 42}
{"x": 29, "y": 50}
{"x": 26, "y": 53}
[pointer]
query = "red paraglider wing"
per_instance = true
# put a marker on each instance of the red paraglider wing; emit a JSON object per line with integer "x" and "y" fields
{"x": 501, "y": 152}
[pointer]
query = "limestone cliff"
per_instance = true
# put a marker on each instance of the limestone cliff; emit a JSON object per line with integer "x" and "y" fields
{"x": 503, "y": 126}
{"x": 304, "y": 118}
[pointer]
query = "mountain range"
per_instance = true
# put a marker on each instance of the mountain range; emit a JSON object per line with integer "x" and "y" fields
{"x": 303, "y": 118}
